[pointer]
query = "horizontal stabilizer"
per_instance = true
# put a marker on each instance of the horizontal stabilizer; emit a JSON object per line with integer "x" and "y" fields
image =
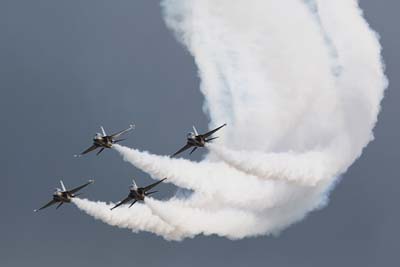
{"x": 149, "y": 193}
{"x": 101, "y": 150}
{"x": 132, "y": 203}
{"x": 194, "y": 149}
{"x": 208, "y": 140}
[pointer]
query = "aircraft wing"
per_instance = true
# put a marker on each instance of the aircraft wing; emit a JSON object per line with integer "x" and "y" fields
{"x": 213, "y": 131}
{"x": 187, "y": 146}
{"x": 93, "y": 147}
{"x": 128, "y": 198}
{"x": 149, "y": 187}
{"x": 52, "y": 202}
{"x": 73, "y": 191}
{"x": 116, "y": 135}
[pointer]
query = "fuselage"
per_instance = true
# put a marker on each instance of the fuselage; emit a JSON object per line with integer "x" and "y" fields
{"x": 103, "y": 141}
{"x": 62, "y": 197}
{"x": 195, "y": 140}
{"x": 137, "y": 194}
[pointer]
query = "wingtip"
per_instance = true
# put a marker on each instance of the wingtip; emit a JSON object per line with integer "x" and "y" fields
{"x": 174, "y": 155}
{"x": 77, "y": 156}
{"x": 35, "y": 210}
{"x": 91, "y": 181}
{"x": 114, "y": 206}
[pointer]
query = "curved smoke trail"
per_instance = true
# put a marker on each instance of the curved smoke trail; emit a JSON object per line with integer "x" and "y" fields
{"x": 299, "y": 84}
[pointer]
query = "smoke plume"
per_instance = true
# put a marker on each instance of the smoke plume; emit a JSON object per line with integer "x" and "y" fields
{"x": 299, "y": 84}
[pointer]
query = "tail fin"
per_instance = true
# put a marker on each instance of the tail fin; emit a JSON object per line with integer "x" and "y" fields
{"x": 134, "y": 183}
{"x": 102, "y": 130}
{"x": 62, "y": 186}
{"x": 195, "y": 131}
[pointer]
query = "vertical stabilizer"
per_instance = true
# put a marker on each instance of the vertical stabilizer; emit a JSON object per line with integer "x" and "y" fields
{"x": 102, "y": 130}
{"x": 134, "y": 184}
{"x": 62, "y": 186}
{"x": 195, "y": 131}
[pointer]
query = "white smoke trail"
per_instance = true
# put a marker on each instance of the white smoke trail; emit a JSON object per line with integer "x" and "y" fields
{"x": 138, "y": 218}
{"x": 299, "y": 84}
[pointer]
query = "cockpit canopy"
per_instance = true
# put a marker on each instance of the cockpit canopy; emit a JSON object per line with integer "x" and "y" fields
{"x": 57, "y": 191}
{"x": 191, "y": 135}
{"x": 98, "y": 136}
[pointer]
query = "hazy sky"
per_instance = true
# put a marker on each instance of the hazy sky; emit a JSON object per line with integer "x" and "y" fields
{"x": 69, "y": 66}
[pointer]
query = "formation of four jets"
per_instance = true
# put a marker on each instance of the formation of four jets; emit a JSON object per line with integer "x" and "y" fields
{"x": 102, "y": 140}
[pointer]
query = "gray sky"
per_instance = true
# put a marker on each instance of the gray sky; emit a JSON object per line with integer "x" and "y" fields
{"x": 69, "y": 66}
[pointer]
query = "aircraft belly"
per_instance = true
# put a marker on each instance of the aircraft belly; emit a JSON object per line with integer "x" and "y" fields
{"x": 192, "y": 142}
{"x": 98, "y": 143}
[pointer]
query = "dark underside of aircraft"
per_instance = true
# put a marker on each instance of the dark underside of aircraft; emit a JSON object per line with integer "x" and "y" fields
{"x": 196, "y": 140}
{"x": 63, "y": 195}
{"x": 102, "y": 140}
{"x": 138, "y": 193}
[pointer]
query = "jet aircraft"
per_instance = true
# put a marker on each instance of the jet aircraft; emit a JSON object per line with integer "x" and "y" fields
{"x": 137, "y": 193}
{"x": 63, "y": 195}
{"x": 195, "y": 140}
{"x": 105, "y": 141}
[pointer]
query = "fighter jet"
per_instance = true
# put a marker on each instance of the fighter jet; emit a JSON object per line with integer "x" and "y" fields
{"x": 196, "y": 140}
{"x": 137, "y": 193}
{"x": 105, "y": 141}
{"x": 63, "y": 195}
